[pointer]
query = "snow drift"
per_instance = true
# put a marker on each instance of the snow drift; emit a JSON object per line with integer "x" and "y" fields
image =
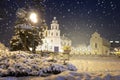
{"x": 26, "y": 64}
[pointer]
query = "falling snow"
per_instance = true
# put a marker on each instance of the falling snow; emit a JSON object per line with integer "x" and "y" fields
{"x": 74, "y": 15}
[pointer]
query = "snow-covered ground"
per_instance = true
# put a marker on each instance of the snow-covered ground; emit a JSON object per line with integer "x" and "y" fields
{"x": 68, "y": 75}
{"x": 96, "y": 64}
{"x": 88, "y": 68}
{"x": 26, "y": 64}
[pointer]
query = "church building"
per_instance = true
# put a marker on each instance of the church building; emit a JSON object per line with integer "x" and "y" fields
{"x": 99, "y": 45}
{"x": 53, "y": 42}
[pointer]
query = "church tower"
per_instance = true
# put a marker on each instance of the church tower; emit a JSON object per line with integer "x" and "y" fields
{"x": 54, "y": 31}
{"x": 52, "y": 41}
{"x": 54, "y": 25}
{"x": 53, "y": 37}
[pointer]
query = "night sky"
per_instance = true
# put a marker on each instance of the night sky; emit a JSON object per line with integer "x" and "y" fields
{"x": 78, "y": 19}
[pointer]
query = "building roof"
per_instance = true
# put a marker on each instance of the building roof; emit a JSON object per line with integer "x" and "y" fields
{"x": 96, "y": 34}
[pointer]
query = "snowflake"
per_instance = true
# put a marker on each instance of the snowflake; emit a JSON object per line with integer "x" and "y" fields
{"x": 72, "y": 12}
{"x": 7, "y": 24}
{"x": 98, "y": 3}
{"x": 112, "y": 5}
{"x": 88, "y": 12}
{"x": 111, "y": 2}
{"x": 78, "y": 2}
{"x": 96, "y": 10}
{"x": 102, "y": 2}
{"x": 102, "y": 25}
{"x": 103, "y": 12}
{"x": 63, "y": 25}
{"x": 90, "y": 26}
{"x": 68, "y": 10}
{"x": 63, "y": 16}
{"x": 101, "y": 5}
{"x": 62, "y": 5}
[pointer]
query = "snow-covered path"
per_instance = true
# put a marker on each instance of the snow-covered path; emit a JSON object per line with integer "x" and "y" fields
{"x": 96, "y": 64}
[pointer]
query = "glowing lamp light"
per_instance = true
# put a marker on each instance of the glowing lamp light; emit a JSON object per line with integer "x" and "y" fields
{"x": 33, "y": 17}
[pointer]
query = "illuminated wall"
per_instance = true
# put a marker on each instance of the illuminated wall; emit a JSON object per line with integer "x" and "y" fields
{"x": 53, "y": 41}
{"x": 99, "y": 45}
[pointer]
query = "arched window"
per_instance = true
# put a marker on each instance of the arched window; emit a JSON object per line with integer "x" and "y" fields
{"x": 96, "y": 45}
{"x": 52, "y": 34}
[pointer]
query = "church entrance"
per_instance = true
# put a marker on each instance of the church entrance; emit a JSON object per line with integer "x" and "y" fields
{"x": 56, "y": 49}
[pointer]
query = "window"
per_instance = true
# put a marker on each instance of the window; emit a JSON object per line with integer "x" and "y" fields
{"x": 56, "y": 27}
{"x": 95, "y": 45}
{"x": 68, "y": 44}
{"x": 56, "y": 34}
{"x": 64, "y": 43}
{"x": 51, "y": 34}
{"x": 46, "y": 33}
{"x": 51, "y": 40}
{"x": 106, "y": 51}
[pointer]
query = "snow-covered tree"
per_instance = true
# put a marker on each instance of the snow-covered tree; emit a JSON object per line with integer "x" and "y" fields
{"x": 27, "y": 35}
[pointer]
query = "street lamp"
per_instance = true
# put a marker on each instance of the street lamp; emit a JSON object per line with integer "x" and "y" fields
{"x": 33, "y": 18}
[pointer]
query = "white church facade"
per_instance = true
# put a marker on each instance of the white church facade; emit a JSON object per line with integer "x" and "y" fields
{"x": 53, "y": 41}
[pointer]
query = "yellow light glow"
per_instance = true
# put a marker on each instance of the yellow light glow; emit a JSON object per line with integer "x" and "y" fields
{"x": 33, "y": 17}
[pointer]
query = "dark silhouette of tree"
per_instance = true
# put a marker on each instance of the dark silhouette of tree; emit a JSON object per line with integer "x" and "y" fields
{"x": 26, "y": 34}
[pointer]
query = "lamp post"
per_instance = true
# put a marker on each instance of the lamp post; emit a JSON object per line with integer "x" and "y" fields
{"x": 34, "y": 20}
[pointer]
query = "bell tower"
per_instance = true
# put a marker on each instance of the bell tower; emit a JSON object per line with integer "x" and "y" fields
{"x": 54, "y": 25}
